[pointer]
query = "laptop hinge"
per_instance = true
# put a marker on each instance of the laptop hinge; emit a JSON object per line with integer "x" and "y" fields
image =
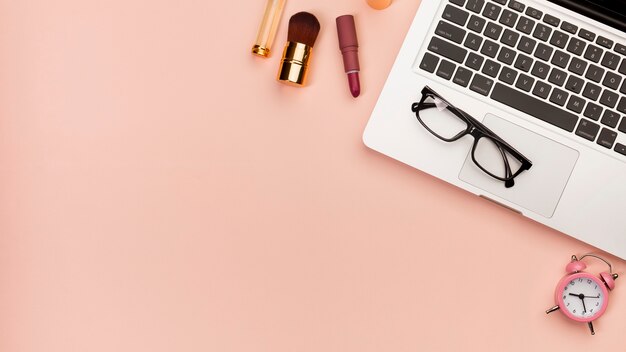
{"x": 500, "y": 204}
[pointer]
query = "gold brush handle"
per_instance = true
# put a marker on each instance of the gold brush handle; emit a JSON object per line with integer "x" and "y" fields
{"x": 269, "y": 25}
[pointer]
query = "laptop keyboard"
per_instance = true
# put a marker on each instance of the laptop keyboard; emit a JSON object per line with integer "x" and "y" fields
{"x": 536, "y": 63}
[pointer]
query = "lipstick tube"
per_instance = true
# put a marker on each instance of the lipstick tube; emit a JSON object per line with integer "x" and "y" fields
{"x": 269, "y": 25}
{"x": 349, "y": 46}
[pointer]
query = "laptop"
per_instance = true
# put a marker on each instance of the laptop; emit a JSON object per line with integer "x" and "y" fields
{"x": 545, "y": 78}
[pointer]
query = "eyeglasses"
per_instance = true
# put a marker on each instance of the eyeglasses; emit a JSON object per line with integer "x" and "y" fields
{"x": 490, "y": 153}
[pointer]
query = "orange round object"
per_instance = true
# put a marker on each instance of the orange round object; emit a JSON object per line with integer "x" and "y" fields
{"x": 379, "y": 4}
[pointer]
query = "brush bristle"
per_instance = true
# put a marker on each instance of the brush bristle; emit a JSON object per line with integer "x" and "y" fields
{"x": 303, "y": 28}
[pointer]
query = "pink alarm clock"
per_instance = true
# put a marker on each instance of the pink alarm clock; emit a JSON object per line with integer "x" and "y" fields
{"x": 582, "y": 296}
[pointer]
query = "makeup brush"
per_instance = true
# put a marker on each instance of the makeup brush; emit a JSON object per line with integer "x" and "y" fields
{"x": 303, "y": 31}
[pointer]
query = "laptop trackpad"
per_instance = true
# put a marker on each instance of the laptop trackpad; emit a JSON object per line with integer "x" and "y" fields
{"x": 538, "y": 189}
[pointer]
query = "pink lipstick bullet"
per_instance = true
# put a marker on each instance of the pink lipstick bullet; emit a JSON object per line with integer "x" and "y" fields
{"x": 349, "y": 46}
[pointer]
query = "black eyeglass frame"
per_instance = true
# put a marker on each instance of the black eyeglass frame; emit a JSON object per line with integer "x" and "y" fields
{"x": 477, "y": 130}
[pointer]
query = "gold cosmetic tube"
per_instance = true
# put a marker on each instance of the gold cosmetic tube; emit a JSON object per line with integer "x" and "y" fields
{"x": 267, "y": 30}
{"x": 295, "y": 64}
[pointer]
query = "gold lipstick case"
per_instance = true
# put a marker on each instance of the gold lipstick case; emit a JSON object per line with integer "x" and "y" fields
{"x": 269, "y": 25}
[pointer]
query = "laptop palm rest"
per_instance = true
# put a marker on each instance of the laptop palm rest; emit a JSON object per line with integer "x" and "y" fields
{"x": 538, "y": 189}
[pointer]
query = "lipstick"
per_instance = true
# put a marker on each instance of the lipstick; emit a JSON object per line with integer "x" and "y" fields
{"x": 349, "y": 46}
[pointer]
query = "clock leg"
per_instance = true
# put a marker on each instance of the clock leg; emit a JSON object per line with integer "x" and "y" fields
{"x": 555, "y": 308}
{"x": 591, "y": 328}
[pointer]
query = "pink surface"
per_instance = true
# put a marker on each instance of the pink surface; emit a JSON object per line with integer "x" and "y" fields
{"x": 159, "y": 191}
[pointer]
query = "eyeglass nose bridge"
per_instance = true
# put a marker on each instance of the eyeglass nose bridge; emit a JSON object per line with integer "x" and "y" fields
{"x": 475, "y": 132}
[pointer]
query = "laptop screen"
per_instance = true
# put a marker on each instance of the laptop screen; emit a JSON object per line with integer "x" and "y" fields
{"x": 609, "y": 12}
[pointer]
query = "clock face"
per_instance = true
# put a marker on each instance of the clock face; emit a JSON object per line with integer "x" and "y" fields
{"x": 582, "y": 297}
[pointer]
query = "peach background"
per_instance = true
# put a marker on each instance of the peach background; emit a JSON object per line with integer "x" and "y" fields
{"x": 159, "y": 191}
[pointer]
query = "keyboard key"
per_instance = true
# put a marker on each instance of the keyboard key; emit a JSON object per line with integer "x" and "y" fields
{"x": 622, "y": 67}
{"x": 450, "y": 32}
{"x": 447, "y": 49}
{"x": 568, "y": 27}
{"x": 620, "y": 148}
{"x": 525, "y": 25}
{"x": 593, "y": 111}
{"x": 540, "y": 70}
{"x": 574, "y": 84}
{"x": 610, "y": 118}
{"x": 607, "y": 138}
{"x": 542, "y": 32}
{"x": 473, "y": 41}
{"x": 591, "y": 91}
{"x": 619, "y": 48}
{"x": 612, "y": 80}
{"x": 508, "y": 75}
{"x": 559, "y": 39}
{"x": 455, "y": 14}
{"x": 493, "y": 31}
{"x": 429, "y": 62}
{"x": 492, "y": 11}
{"x": 527, "y": 45}
{"x": 609, "y": 98}
{"x": 622, "y": 126}
{"x": 560, "y": 59}
{"x": 476, "y": 24}
{"x": 534, "y": 13}
{"x": 576, "y": 104}
{"x": 501, "y": 2}
{"x": 534, "y": 107}
{"x": 474, "y": 61}
{"x": 446, "y": 69}
{"x": 595, "y": 73}
{"x": 610, "y": 60}
{"x": 525, "y": 83}
{"x": 577, "y": 66}
{"x": 458, "y": 2}
{"x": 542, "y": 90}
{"x": 508, "y": 18}
{"x": 557, "y": 77}
{"x": 490, "y": 48}
{"x": 605, "y": 42}
{"x": 543, "y": 52}
{"x": 587, "y": 129}
{"x": 509, "y": 38}
{"x": 585, "y": 34}
{"x": 506, "y": 56}
{"x": 491, "y": 68}
{"x": 481, "y": 84}
{"x": 593, "y": 53}
{"x": 621, "y": 107}
{"x": 523, "y": 62}
{"x": 475, "y": 5}
{"x": 551, "y": 20}
{"x": 622, "y": 89}
{"x": 462, "y": 77}
{"x": 576, "y": 46}
{"x": 516, "y": 5}
{"x": 559, "y": 97}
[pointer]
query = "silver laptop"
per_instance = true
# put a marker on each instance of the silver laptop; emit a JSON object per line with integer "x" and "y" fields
{"x": 520, "y": 102}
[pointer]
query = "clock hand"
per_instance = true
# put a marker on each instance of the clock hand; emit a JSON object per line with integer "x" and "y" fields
{"x": 598, "y": 296}
{"x": 580, "y": 295}
{"x": 584, "y": 308}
